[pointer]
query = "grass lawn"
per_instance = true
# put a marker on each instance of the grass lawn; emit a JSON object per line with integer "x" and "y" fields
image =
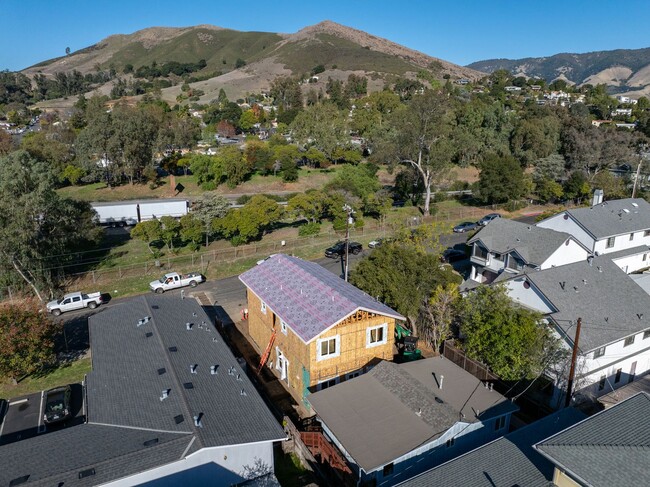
{"x": 288, "y": 470}
{"x": 67, "y": 373}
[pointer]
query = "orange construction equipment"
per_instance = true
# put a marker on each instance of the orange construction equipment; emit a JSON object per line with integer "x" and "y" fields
{"x": 267, "y": 352}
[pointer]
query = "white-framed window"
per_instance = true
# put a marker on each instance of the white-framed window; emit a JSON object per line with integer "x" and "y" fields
{"x": 376, "y": 335}
{"x": 629, "y": 341}
{"x": 283, "y": 327}
{"x": 610, "y": 242}
{"x": 263, "y": 307}
{"x": 599, "y": 352}
{"x": 328, "y": 347}
{"x": 631, "y": 236}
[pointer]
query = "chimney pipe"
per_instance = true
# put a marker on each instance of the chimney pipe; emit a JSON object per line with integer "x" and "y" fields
{"x": 188, "y": 326}
{"x": 197, "y": 421}
{"x": 598, "y": 197}
{"x": 442, "y": 377}
{"x": 193, "y": 368}
{"x": 213, "y": 369}
{"x": 165, "y": 394}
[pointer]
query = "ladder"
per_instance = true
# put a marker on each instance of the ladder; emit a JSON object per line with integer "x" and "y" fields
{"x": 267, "y": 352}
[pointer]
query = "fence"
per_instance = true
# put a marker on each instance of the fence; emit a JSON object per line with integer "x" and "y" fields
{"x": 477, "y": 369}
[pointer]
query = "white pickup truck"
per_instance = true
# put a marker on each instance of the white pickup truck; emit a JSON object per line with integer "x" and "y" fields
{"x": 175, "y": 280}
{"x": 74, "y": 301}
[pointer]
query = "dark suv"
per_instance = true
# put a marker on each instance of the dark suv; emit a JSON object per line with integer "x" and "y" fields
{"x": 57, "y": 405}
{"x": 338, "y": 249}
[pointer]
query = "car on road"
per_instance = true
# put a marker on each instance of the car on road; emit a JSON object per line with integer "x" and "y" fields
{"x": 338, "y": 249}
{"x": 377, "y": 243}
{"x": 57, "y": 405}
{"x": 488, "y": 218}
{"x": 465, "y": 227}
{"x": 453, "y": 255}
{"x": 174, "y": 280}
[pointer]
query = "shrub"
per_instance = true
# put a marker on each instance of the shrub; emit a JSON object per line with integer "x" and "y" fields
{"x": 243, "y": 199}
{"x": 209, "y": 186}
{"x": 309, "y": 229}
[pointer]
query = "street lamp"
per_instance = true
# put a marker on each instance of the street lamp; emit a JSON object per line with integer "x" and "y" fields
{"x": 348, "y": 209}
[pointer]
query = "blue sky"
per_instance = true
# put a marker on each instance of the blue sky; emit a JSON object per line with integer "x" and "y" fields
{"x": 460, "y": 31}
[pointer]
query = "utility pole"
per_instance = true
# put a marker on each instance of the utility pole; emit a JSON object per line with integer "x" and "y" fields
{"x": 572, "y": 371}
{"x": 348, "y": 209}
{"x": 636, "y": 178}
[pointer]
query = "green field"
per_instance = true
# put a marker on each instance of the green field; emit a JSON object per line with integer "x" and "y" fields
{"x": 67, "y": 373}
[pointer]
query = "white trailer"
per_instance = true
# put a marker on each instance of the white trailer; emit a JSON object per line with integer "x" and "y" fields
{"x": 120, "y": 213}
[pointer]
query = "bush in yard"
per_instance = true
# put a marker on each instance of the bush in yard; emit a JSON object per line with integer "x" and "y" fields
{"x": 26, "y": 340}
{"x": 309, "y": 229}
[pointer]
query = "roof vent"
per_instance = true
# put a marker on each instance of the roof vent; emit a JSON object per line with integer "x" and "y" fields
{"x": 214, "y": 339}
{"x": 173, "y": 349}
{"x": 600, "y": 269}
{"x": 155, "y": 306}
{"x": 19, "y": 480}
{"x": 193, "y": 368}
{"x": 213, "y": 369}
{"x": 575, "y": 288}
{"x": 639, "y": 315}
{"x": 179, "y": 419}
{"x": 144, "y": 321}
{"x": 242, "y": 393}
{"x": 439, "y": 401}
{"x": 636, "y": 205}
{"x": 197, "y": 420}
{"x": 529, "y": 228}
{"x": 231, "y": 370}
{"x": 188, "y": 385}
{"x": 188, "y": 326}
{"x": 165, "y": 394}
{"x": 606, "y": 318}
{"x": 148, "y": 334}
{"x": 562, "y": 284}
{"x": 194, "y": 314}
{"x": 161, "y": 371}
{"x": 419, "y": 412}
{"x": 151, "y": 442}
{"x": 86, "y": 473}
{"x": 584, "y": 281}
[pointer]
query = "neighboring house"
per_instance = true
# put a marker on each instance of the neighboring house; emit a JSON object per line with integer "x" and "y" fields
{"x": 314, "y": 328}
{"x": 598, "y": 123}
{"x": 607, "y": 226}
{"x": 625, "y": 392}
{"x": 626, "y": 112}
{"x": 508, "y": 461}
{"x": 512, "y": 88}
{"x": 614, "y": 343}
{"x": 399, "y": 420}
{"x": 509, "y": 246}
{"x": 608, "y": 449}
{"x": 166, "y": 404}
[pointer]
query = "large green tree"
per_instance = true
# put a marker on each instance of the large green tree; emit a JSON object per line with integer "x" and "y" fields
{"x": 241, "y": 225}
{"x": 322, "y": 126}
{"x": 208, "y": 208}
{"x": 26, "y": 340}
{"x": 402, "y": 276}
{"x": 501, "y": 179}
{"x": 513, "y": 341}
{"x": 39, "y": 230}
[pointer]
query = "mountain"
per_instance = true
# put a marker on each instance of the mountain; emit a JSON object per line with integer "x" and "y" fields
{"x": 339, "y": 49}
{"x": 623, "y": 70}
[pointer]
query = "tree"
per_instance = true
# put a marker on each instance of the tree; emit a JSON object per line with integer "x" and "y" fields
{"x": 6, "y": 143}
{"x": 437, "y": 315}
{"x": 323, "y": 126}
{"x": 26, "y": 339}
{"x": 38, "y": 228}
{"x": 311, "y": 205}
{"x": 401, "y": 276}
{"x": 360, "y": 181}
{"x": 417, "y": 136}
{"x": 208, "y": 208}
{"x": 576, "y": 186}
{"x": 501, "y": 179}
{"x": 241, "y": 225}
{"x": 286, "y": 93}
{"x": 191, "y": 230}
{"x": 67, "y": 51}
{"x": 510, "y": 339}
{"x": 170, "y": 229}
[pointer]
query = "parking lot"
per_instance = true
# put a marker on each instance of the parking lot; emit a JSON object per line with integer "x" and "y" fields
{"x": 22, "y": 417}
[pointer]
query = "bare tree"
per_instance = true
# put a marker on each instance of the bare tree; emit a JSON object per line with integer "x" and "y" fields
{"x": 437, "y": 314}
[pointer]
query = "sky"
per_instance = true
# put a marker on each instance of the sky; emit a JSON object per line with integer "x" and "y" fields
{"x": 459, "y": 31}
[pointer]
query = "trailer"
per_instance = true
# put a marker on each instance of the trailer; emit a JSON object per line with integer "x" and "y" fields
{"x": 121, "y": 213}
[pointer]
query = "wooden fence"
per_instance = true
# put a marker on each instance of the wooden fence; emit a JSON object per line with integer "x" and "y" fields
{"x": 477, "y": 369}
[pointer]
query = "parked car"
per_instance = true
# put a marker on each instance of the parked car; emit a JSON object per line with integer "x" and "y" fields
{"x": 488, "y": 218}
{"x": 338, "y": 249}
{"x": 57, "y": 405}
{"x": 173, "y": 280}
{"x": 465, "y": 227}
{"x": 73, "y": 301}
{"x": 453, "y": 255}
{"x": 377, "y": 243}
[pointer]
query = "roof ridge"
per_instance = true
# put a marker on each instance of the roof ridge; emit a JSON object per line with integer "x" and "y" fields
{"x": 139, "y": 428}
{"x": 172, "y": 370}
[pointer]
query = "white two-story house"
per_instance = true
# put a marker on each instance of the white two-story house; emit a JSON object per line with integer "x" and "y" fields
{"x": 605, "y": 227}
{"x": 614, "y": 342}
{"x": 507, "y": 246}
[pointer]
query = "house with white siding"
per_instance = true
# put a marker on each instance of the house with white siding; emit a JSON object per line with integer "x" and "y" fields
{"x": 507, "y": 246}
{"x": 606, "y": 226}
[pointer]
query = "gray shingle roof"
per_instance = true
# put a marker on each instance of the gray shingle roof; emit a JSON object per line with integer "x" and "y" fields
{"x": 508, "y": 461}
{"x": 113, "y": 452}
{"x": 611, "y": 305}
{"x": 126, "y": 383}
{"x": 609, "y": 449}
{"x": 609, "y": 218}
{"x": 394, "y": 408}
{"x": 308, "y": 297}
{"x": 534, "y": 244}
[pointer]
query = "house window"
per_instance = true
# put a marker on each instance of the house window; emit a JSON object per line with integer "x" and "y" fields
{"x": 599, "y": 352}
{"x": 450, "y": 442}
{"x": 601, "y": 384}
{"x": 283, "y": 327}
{"x": 328, "y": 347}
{"x": 514, "y": 263}
{"x": 388, "y": 470}
{"x": 499, "y": 423}
{"x": 645, "y": 257}
{"x": 646, "y": 334}
{"x": 629, "y": 341}
{"x": 631, "y": 236}
{"x": 325, "y": 384}
{"x": 263, "y": 307}
{"x": 376, "y": 335}
{"x": 480, "y": 252}
{"x": 617, "y": 379}
{"x": 646, "y": 233}
{"x": 610, "y": 242}
{"x": 352, "y": 375}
